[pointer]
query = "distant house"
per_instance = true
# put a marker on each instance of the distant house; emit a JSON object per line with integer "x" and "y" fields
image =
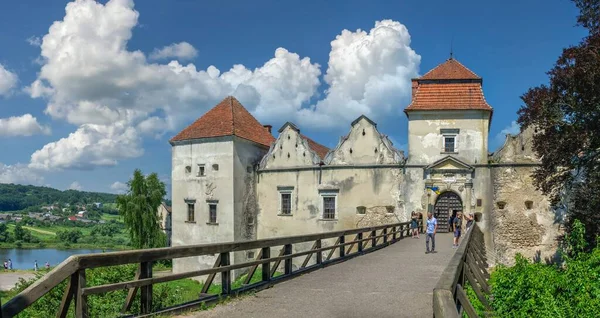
{"x": 81, "y": 214}
{"x": 72, "y": 218}
{"x": 98, "y": 204}
{"x": 5, "y": 217}
{"x": 164, "y": 216}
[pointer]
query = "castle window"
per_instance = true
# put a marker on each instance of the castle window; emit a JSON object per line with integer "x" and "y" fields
{"x": 361, "y": 210}
{"x": 285, "y": 200}
{"x": 190, "y": 210}
{"x": 479, "y": 202}
{"x": 250, "y": 220}
{"x": 215, "y": 167}
{"x": 450, "y": 139}
{"x": 449, "y": 144}
{"x": 188, "y": 169}
{"x": 212, "y": 212}
{"x": 501, "y": 205}
{"x": 201, "y": 170}
{"x": 329, "y": 198}
{"x": 390, "y": 209}
{"x": 250, "y": 255}
{"x": 528, "y": 204}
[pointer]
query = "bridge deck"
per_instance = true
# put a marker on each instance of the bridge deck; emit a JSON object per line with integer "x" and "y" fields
{"x": 396, "y": 281}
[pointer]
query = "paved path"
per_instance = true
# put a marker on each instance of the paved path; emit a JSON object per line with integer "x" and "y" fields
{"x": 396, "y": 281}
{"x": 9, "y": 279}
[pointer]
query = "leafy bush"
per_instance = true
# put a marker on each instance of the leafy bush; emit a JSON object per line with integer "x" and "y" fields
{"x": 571, "y": 289}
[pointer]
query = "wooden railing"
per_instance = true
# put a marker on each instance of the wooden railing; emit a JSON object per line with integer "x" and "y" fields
{"x": 348, "y": 243}
{"x": 467, "y": 266}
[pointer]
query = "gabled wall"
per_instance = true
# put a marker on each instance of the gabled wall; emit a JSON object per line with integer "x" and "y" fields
{"x": 364, "y": 145}
{"x": 289, "y": 150}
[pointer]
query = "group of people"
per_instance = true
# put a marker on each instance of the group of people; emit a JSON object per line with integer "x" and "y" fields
{"x": 8, "y": 265}
{"x": 455, "y": 224}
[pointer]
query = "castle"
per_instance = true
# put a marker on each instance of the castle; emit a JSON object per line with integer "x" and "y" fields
{"x": 232, "y": 180}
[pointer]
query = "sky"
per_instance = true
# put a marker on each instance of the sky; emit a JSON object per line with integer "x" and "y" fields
{"x": 90, "y": 91}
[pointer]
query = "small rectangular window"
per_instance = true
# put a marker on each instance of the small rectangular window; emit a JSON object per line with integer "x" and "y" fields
{"x": 329, "y": 207}
{"x": 212, "y": 213}
{"x": 479, "y": 203}
{"x": 190, "y": 207}
{"x": 449, "y": 144}
{"x": 286, "y": 203}
{"x": 200, "y": 170}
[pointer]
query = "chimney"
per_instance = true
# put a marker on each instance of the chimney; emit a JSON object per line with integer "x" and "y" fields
{"x": 268, "y": 127}
{"x": 415, "y": 85}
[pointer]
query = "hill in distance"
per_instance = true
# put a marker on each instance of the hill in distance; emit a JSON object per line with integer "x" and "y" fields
{"x": 15, "y": 197}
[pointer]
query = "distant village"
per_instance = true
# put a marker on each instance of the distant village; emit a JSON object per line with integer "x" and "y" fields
{"x": 54, "y": 213}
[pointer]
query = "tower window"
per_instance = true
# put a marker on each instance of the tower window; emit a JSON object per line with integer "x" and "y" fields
{"x": 190, "y": 212}
{"x": 529, "y": 204}
{"x": 201, "y": 170}
{"x": 329, "y": 207}
{"x": 449, "y": 143}
{"x": 361, "y": 210}
{"x": 212, "y": 213}
{"x": 501, "y": 205}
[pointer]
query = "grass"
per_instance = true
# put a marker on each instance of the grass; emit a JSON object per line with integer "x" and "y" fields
{"x": 110, "y": 217}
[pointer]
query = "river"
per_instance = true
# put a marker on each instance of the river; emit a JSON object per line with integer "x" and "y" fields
{"x": 25, "y": 258}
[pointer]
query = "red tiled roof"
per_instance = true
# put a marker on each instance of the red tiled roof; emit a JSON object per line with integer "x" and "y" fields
{"x": 449, "y": 86}
{"x": 449, "y": 96}
{"x": 451, "y": 69}
{"x": 227, "y": 118}
{"x": 316, "y": 147}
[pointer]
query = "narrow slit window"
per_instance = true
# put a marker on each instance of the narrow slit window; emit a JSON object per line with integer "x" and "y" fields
{"x": 212, "y": 213}
{"x": 190, "y": 210}
{"x": 201, "y": 170}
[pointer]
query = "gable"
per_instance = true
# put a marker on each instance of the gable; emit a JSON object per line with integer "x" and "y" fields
{"x": 292, "y": 149}
{"x": 449, "y": 163}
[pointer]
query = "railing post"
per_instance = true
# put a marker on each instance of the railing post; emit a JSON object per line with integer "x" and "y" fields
{"x": 395, "y": 230}
{"x": 342, "y": 246}
{"x": 360, "y": 243}
{"x": 266, "y": 270}
{"x": 146, "y": 291}
{"x": 319, "y": 253}
{"x": 288, "y": 261}
{"x": 374, "y": 239}
{"x": 401, "y": 231}
{"x": 385, "y": 237}
{"x": 70, "y": 291}
{"x": 81, "y": 310}
{"x": 225, "y": 275}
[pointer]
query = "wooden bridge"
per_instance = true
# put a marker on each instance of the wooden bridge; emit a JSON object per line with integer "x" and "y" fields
{"x": 390, "y": 275}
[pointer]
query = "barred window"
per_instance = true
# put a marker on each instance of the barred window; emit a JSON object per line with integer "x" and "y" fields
{"x": 286, "y": 203}
{"x": 190, "y": 217}
{"x": 448, "y": 144}
{"x": 329, "y": 207}
{"x": 212, "y": 213}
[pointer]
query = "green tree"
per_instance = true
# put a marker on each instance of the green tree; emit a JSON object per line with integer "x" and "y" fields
{"x": 4, "y": 234}
{"x": 566, "y": 117}
{"x": 69, "y": 236}
{"x": 19, "y": 232}
{"x": 139, "y": 210}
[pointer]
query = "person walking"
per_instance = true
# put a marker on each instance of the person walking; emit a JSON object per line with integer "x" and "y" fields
{"x": 47, "y": 265}
{"x": 432, "y": 225}
{"x": 457, "y": 225}
{"x": 35, "y": 265}
{"x": 414, "y": 224}
{"x": 9, "y": 264}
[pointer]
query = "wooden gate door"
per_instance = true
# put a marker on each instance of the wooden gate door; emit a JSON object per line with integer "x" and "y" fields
{"x": 445, "y": 204}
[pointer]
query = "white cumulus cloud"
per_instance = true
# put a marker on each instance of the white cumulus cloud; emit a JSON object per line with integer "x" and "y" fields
{"x": 181, "y": 51}
{"x": 20, "y": 174}
{"x": 119, "y": 187}
{"x": 25, "y": 125}
{"x": 75, "y": 186}
{"x": 8, "y": 81}
{"x": 92, "y": 80}
{"x": 34, "y": 40}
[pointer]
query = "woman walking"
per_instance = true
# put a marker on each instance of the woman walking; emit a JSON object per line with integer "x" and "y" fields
{"x": 414, "y": 225}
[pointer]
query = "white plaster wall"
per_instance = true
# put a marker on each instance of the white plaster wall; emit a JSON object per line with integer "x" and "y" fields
{"x": 363, "y": 145}
{"x": 216, "y": 185}
{"x": 425, "y": 143}
{"x": 290, "y": 150}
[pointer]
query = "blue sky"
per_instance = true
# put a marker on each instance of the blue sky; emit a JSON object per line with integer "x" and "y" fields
{"x": 101, "y": 92}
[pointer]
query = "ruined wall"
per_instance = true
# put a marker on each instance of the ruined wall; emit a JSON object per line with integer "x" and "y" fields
{"x": 522, "y": 220}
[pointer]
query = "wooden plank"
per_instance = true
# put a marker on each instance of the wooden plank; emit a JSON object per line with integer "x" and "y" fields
{"x": 40, "y": 287}
{"x": 81, "y": 310}
{"x": 352, "y": 245}
{"x": 287, "y": 266}
{"x": 465, "y": 303}
{"x": 359, "y": 238}
{"x": 131, "y": 294}
{"x": 211, "y": 277}
{"x": 155, "y": 254}
{"x": 307, "y": 259}
{"x": 319, "y": 253}
{"x": 480, "y": 279}
{"x": 146, "y": 291}
{"x": 478, "y": 267}
{"x": 373, "y": 238}
{"x": 477, "y": 290}
{"x": 342, "y": 240}
{"x": 252, "y": 269}
{"x": 443, "y": 304}
{"x": 225, "y": 275}
{"x": 266, "y": 272}
{"x": 385, "y": 236}
{"x": 63, "y": 309}
{"x": 333, "y": 249}
{"x": 274, "y": 268}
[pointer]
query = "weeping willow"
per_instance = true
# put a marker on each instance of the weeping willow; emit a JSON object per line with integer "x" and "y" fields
{"x": 139, "y": 210}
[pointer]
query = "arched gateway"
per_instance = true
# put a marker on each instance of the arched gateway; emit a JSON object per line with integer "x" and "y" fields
{"x": 446, "y": 205}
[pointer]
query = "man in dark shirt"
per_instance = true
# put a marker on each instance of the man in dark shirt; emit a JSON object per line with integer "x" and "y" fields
{"x": 457, "y": 224}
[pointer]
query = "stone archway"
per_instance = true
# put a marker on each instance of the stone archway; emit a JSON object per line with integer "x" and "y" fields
{"x": 447, "y": 204}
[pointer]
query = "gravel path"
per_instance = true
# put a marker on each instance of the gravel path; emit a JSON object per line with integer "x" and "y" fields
{"x": 9, "y": 279}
